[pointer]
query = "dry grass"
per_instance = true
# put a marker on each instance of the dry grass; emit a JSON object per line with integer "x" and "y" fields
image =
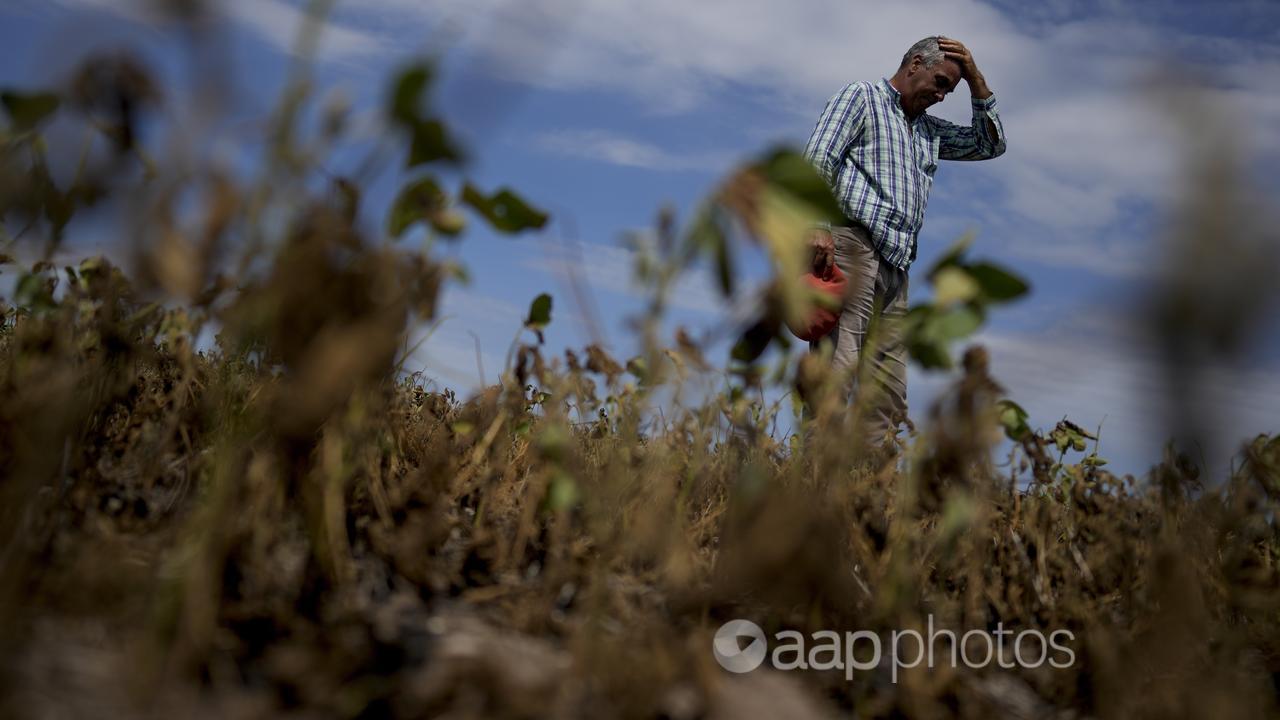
{"x": 287, "y": 525}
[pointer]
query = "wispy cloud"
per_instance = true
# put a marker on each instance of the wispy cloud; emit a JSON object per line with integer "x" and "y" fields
{"x": 1088, "y": 150}
{"x": 466, "y": 318}
{"x": 674, "y": 55}
{"x": 279, "y": 24}
{"x": 611, "y": 269}
{"x": 275, "y": 22}
{"x": 612, "y": 148}
{"x": 453, "y": 360}
{"x": 466, "y": 306}
{"x": 1105, "y": 378}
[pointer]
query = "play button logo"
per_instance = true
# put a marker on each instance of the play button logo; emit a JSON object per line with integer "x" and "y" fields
{"x": 739, "y": 646}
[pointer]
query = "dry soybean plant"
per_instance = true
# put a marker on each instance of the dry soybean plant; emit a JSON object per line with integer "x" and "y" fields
{"x": 287, "y": 521}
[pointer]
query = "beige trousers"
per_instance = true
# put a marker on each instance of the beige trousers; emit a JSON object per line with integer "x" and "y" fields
{"x": 868, "y": 341}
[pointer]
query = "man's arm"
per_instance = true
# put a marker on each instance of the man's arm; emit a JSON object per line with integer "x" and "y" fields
{"x": 839, "y": 126}
{"x": 984, "y": 139}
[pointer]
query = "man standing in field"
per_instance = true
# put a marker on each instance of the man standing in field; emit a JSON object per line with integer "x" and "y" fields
{"x": 878, "y": 150}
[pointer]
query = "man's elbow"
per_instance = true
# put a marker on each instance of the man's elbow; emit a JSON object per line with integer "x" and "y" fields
{"x": 993, "y": 149}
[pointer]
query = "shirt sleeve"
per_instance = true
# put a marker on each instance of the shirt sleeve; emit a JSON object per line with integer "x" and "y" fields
{"x": 974, "y": 142}
{"x": 839, "y": 126}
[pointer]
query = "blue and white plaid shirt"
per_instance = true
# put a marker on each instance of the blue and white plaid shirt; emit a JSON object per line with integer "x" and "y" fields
{"x": 880, "y": 165}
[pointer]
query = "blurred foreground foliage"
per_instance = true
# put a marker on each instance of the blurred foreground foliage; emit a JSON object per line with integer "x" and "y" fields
{"x": 288, "y": 523}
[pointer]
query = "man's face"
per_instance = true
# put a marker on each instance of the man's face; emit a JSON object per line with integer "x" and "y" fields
{"x": 928, "y": 85}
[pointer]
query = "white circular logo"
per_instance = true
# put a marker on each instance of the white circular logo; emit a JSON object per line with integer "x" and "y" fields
{"x": 731, "y": 654}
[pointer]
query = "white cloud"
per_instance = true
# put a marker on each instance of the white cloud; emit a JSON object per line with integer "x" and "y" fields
{"x": 276, "y": 22}
{"x": 1087, "y": 147}
{"x": 1118, "y": 382}
{"x": 279, "y": 24}
{"x": 610, "y": 269}
{"x": 672, "y": 54}
{"x": 608, "y": 147}
{"x": 448, "y": 347}
{"x": 452, "y": 361}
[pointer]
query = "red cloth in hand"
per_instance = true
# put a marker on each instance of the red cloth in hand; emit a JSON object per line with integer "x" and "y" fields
{"x": 822, "y": 321}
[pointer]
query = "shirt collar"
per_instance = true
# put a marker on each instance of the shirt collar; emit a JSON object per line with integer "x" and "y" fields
{"x": 889, "y": 88}
{"x": 896, "y": 98}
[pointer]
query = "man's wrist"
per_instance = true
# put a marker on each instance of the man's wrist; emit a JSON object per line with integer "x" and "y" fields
{"x": 978, "y": 89}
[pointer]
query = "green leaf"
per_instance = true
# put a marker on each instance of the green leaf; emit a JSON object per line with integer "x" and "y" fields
{"x": 953, "y": 285}
{"x": 407, "y": 92}
{"x": 563, "y": 493}
{"x": 931, "y": 354}
{"x": 34, "y": 291}
{"x": 505, "y": 211}
{"x": 1093, "y": 461}
{"x": 922, "y": 341}
{"x": 638, "y": 367}
{"x": 416, "y": 201}
{"x": 953, "y": 324}
{"x": 28, "y": 288}
{"x": 1015, "y": 408}
{"x": 449, "y": 222}
{"x": 958, "y": 516}
{"x": 1076, "y": 429}
{"x": 1013, "y": 418}
{"x": 430, "y": 142}
{"x": 553, "y": 442}
{"x": 27, "y": 110}
{"x": 1069, "y": 435}
{"x": 93, "y": 265}
{"x": 1061, "y": 439}
{"x": 705, "y": 234}
{"x": 755, "y": 340}
{"x": 997, "y": 283}
{"x": 951, "y": 256}
{"x": 539, "y": 312}
{"x": 423, "y": 200}
{"x": 792, "y": 172}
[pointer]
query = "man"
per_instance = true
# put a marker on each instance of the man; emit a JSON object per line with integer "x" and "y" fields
{"x": 878, "y": 150}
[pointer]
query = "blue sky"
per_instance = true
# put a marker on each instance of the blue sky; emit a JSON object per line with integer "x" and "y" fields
{"x": 604, "y": 111}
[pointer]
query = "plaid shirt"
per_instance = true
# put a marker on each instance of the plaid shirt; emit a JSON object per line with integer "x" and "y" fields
{"x": 880, "y": 165}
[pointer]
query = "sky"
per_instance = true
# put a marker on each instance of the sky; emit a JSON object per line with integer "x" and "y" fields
{"x": 603, "y": 111}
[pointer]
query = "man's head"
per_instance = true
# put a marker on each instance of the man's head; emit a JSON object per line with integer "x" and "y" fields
{"x": 925, "y": 76}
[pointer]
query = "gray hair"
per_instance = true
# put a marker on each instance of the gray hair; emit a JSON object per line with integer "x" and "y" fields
{"x": 927, "y": 49}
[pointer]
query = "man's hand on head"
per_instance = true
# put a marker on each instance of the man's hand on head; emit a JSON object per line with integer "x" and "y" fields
{"x": 955, "y": 50}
